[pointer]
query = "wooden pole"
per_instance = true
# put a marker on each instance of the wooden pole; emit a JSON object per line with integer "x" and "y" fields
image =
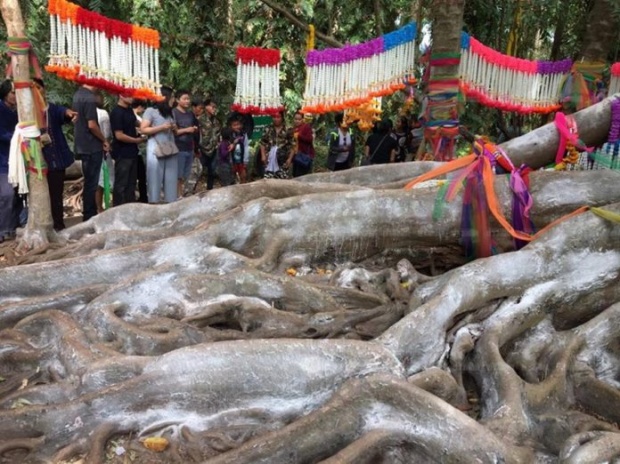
{"x": 39, "y": 227}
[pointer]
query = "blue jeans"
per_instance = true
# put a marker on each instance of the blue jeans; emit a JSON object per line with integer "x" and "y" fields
{"x": 91, "y": 166}
{"x": 185, "y": 164}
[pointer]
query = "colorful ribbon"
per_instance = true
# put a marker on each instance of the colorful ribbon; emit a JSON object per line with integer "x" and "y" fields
{"x": 25, "y": 156}
{"x": 20, "y": 46}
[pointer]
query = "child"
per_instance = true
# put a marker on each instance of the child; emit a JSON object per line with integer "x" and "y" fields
{"x": 224, "y": 159}
{"x": 237, "y": 146}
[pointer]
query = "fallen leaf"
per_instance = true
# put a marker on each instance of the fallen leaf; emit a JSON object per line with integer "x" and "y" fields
{"x": 155, "y": 443}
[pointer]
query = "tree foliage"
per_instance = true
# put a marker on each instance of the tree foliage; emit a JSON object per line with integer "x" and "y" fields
{"x": 199, "y": 37}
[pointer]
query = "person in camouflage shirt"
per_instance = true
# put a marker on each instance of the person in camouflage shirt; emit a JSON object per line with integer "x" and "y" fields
{"x": 277, "y": 148}
{"x": 210, "y": 130}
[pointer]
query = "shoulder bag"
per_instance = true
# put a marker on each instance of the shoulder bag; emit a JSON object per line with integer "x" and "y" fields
{"x": 166, "y": 148}
{"x": 368, "y": 161}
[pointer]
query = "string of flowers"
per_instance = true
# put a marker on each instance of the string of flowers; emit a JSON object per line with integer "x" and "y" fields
{"x": 258, "y": 81}
{"x": 510, "y": 83}
{"x": 351, "y": 76}
{"x": 614, "y": 128}
{"x": 614, "y": 80}
{"x": 364, "y": 115}
{"x": 89, "y": 48}
{"x": 608, "y": 155}
{"x": 570, "y": 145}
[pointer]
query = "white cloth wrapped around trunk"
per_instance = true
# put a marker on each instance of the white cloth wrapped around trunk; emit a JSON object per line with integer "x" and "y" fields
{"x": 17, "y": 167}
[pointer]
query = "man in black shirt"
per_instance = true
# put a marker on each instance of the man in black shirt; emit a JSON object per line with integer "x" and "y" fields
{"x": 89, "y": 145}
{"x": 380, "y": 147}
{"x": 125, "y": 151}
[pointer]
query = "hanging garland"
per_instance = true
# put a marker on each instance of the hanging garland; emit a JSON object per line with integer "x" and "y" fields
{"x": 570, "y": 144}
{"x": 341, "y": 78}
{"x": 89, "y": 48}
{"x": 509, "y": 83}
{"x": 364, "y": 115}
{"x": 608, "y": 156}
{"x": 258, "y": 81}
{"x": 614, "y": 80}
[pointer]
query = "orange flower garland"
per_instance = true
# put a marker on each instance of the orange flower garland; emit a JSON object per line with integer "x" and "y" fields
{"x": 89, "y": 48}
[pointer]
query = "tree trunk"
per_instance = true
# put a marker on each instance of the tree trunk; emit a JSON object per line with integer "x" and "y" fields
{"x": 378, "y": 16}
{"x": 442, "y": 101}
{"x": 39, "y": 227}
{"x": 537, "y": 148}
{"x": 560, "y": 25}
{"x": 601, "y": 32}
{"x": 515, "y": 29}
{"x": 447, "y": 26}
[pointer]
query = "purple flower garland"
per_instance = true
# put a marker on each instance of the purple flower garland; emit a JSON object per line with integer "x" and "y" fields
{"x": 614, "y": 129}
{"x": 554, "y": 67}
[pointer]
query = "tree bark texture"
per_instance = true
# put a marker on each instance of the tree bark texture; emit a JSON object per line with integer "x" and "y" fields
{"x": 39, "y": 227}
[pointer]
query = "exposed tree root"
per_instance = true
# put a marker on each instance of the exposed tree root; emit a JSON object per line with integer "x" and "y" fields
{"x": 290, "y": 322}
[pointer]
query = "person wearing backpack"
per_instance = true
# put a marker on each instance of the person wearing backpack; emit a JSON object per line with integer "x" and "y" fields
{"x": 341, "y": 146}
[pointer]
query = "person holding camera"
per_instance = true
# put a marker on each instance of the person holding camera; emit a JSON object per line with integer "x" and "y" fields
{"x": 58, "y": 156}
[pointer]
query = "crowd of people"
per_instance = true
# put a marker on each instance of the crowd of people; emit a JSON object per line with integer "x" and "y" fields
{"x": 141, "y": 152}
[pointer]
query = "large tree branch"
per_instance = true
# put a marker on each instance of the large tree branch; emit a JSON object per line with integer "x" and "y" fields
{"x": 299, "y": 23}
{"x": 378, "y": 18}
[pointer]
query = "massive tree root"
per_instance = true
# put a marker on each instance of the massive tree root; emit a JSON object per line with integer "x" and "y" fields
{"x": 290, "y": 322}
